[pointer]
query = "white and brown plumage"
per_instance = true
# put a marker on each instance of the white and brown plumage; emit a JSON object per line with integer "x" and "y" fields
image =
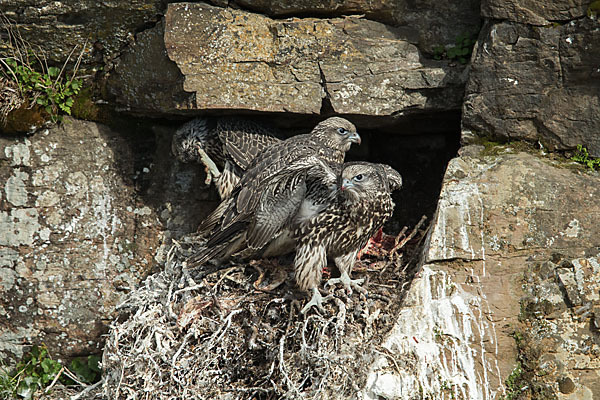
{"x": 227, "y": 143}
{"x": 362, "y": 205}
{"x": 286, "y": 184}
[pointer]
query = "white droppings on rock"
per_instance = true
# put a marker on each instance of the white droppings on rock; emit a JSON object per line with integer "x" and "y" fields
{"x": 440, "y": 337}
{"x": 573, "y": 230}
{"x": 142, "y": 211}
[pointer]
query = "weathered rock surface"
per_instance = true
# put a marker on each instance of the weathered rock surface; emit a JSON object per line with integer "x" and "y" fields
{"x": 426, "y": 23}
{"x": 237, "y": 60}
{"x": 75, "y": 234}
{"x": 536, "y": 83}
{"x": 501, "y": 223}
{"x": 534, "y": 12}
{"x": 59, "y": 26}
{"x": 144, "y": 79}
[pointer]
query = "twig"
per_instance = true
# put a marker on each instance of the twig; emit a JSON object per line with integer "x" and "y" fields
{"x": 78, "y": 62}
{"x": 174, "y": 359}
{"x": 400, "y": 235}
{"x": 87, "y": 390}
{"x": 225, "y": 274}
{"x": 409, "y": 237}
{"x": 71, "y": 375}
{"x": 393, "y": 252}
{"x": 388, "y": 354}
{"x": 63, "y": 66}
{"x": 54, "y": 380}
{"x": 340, "y": 323}
{"x": 282, "y": 368}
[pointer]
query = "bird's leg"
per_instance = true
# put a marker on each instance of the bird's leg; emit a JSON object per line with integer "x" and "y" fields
{"x": 316, "y": 300}
{"x": 211, "y": 168}
{"x": 345, "y": 264}
{"x": 348, "y": 283}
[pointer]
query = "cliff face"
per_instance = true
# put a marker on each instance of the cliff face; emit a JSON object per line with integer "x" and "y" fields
{"x": 76, "y": 234}
{"x": 509, "y": 278}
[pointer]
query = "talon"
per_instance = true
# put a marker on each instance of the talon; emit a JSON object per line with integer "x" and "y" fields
{"x": 348, "y": 283}
{"x": 316, "y": 300}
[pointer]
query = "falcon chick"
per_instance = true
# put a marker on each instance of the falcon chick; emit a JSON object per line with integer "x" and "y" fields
{"x": 286, "y": 184}
{"x": 227, "y": 143}
{"x": 362, "y": 205}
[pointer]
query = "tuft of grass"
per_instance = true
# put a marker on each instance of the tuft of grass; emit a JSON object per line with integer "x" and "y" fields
{"x": 583, "y": 157}
{"x": 25, "y": 73}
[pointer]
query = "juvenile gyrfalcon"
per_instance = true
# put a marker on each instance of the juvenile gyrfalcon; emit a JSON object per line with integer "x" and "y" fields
{"x": 228, "y": 143}
{"x": 362, "y": 205}
{"x": 287, "y": 183}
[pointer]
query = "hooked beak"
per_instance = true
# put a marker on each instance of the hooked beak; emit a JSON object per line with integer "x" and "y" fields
{"x": 347, "y": 184}
{"x": 354, "y": 138}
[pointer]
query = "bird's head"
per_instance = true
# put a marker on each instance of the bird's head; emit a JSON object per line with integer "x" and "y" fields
{"x": 394, "y": 179}
{"x": 361, "y": 179}
{"x": 337, "y": 132}
{"x": 187, "y": 139}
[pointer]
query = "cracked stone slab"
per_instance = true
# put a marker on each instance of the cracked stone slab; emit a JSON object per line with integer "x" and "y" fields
{"x": 500, "y": 220}
{"x": 233, "y": 59}
{"x": 429, "y": 23}
{"x": 59, "y": 26}
{"x": 536, "y": 83}
{"x": 534, "y": 12}
{"x": 76, "y": 232}
{"x": 66, "y": 253}
{"x": 566, "y": 279}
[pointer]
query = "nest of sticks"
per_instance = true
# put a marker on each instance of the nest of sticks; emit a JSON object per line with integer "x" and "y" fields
{"x": 235, "y": 332}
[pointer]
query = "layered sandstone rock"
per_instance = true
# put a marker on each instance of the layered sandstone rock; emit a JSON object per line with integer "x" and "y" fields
{"x": 59, "y": 26}
{"x": 237, "y": 60}
{"x": 538, "y": 83}
{"x": 76, "y": 234}
{"x": 510, "y": 275}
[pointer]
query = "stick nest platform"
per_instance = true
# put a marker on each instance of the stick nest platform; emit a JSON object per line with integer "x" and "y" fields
{"x": 237, "y": 333}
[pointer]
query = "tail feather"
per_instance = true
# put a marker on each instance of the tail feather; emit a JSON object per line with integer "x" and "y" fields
{"x": 208, "y": 225}
{"x": 220, "y": 245}
{"x": 205, "y": 255}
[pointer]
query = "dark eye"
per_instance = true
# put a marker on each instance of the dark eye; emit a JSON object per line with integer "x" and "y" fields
{"x": 341, "y": 131}
{"x": 358, "y": 178}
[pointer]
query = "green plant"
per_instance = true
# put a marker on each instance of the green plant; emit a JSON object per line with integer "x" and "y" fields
{"x": 48, "y": 88}
{"x": 7, "y": 384}
{"x": 87, "y": 368}
{"x": 513, "y": 382}
{"x": 460, "y": 52}
{"x": 593, "y": 9}
{"x": 583, "y": 157}
{"x": 35, "y": 81}
{"x": 38, "y": 371}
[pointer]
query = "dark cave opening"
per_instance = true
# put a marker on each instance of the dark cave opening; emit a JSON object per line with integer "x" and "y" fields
{"x": 418, "y": 146}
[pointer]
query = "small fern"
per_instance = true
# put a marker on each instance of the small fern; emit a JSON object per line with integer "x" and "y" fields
{"x": 582, "y": 156}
